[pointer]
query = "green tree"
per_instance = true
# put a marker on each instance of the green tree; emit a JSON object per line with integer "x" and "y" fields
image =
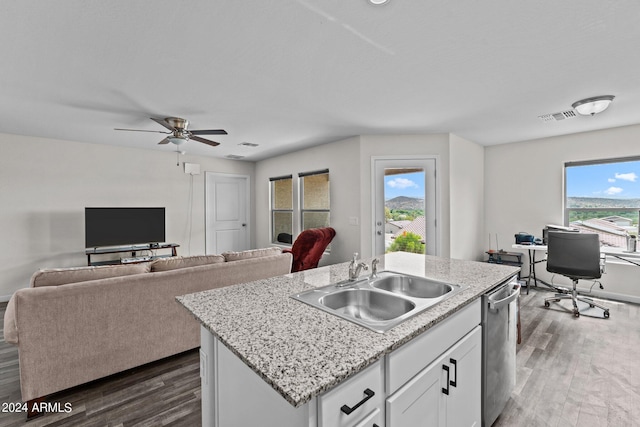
{"x": 387, "y": 214}
{"x": 407, "y": 242}
{"x": 403, "y": 214}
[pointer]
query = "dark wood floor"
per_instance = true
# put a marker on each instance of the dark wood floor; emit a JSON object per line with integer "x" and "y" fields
{"x": 164, "y": 393}
{"x": 571, "y": 372}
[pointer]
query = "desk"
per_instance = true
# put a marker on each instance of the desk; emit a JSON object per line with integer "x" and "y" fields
{"x": 506, "y": 258}
{"x": 619, "y": 253}
{"x": 531, "y": 250}
{"x": 622, "y": 254}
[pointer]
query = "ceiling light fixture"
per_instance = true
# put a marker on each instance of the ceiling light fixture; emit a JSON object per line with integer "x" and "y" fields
{"x": 178, "y": 140}
{"x": 378, "y": 1}
{"x": 592, "y": 106}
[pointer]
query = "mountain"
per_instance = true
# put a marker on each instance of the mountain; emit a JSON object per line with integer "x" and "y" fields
{"x": 601, "y": 202}
{"x": 404, "y": 203}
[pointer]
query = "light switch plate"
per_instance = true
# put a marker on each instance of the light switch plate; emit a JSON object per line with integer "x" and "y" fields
{"x": 192, "y": 168}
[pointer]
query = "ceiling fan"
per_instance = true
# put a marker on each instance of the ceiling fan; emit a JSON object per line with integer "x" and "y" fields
{"x": 179, "y": 134}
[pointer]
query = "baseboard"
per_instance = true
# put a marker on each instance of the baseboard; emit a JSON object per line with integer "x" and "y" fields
{"x": 5, "y": 298}
{"x": 609, "y": 295}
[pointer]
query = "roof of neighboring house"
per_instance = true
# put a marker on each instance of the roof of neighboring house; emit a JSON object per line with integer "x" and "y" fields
{"x": 401, "y": 223}
{"x": 601, "y": 225}
{"x": 610, "y": 233}
{"x": 417, "y": 226}
{"x": 615, "y": 218}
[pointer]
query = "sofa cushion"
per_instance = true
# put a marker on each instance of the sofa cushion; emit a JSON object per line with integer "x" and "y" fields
{"x": 62, "y": 276}
{"x": 252, "y": 253}
{"x": 173, "y": 263}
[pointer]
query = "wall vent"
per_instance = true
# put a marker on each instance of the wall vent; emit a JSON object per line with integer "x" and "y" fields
{"x": 556, "y": 117}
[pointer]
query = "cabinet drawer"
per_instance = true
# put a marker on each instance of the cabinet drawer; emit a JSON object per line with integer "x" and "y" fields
{"x": 374, "y": 419}
{"x": 350, "y": 394}
{"x": 404, "y": 363}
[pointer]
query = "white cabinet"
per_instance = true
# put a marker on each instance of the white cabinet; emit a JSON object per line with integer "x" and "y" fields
{"x": 352, "y": 402}
{"x": 463, "y": 403}
{"x": 374, "y": 419}
{"x": 418, "y": 403}
{"x": 411, "y": 358}
{"x": 234, "y": 395}
{"x": 406, "y": 388}
{"x": 445, "y": 393}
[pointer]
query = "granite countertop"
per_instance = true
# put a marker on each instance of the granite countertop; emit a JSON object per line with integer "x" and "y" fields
{"x": 302, "y": 351}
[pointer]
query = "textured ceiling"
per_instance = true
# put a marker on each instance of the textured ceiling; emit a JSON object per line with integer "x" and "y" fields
{"x": 296, "y": 73}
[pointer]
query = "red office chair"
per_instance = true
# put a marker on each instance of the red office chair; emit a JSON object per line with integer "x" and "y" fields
{"x": 309, "y": 246}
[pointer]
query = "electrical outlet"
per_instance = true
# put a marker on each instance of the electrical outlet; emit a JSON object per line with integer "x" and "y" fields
{"x": 353, "y": 220}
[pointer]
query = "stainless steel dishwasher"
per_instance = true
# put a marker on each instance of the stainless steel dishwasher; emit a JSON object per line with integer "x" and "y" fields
{"x": 499, "y": 323}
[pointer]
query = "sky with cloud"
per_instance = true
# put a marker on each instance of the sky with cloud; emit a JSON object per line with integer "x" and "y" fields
{"x": 408, "y": 185}
{"x": 619, "y": 180}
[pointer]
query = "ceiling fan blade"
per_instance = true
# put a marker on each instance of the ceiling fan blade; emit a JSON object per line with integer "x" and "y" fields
{"x": 164, "y": 141}
{"x": 162, "y": 122}
{"x": 209, "y": 132}
{"x": 204, "y": 141}
{"x": 140, "y": 130}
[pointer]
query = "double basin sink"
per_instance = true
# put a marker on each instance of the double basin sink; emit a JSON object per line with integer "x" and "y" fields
{"x": 379, "y": 303}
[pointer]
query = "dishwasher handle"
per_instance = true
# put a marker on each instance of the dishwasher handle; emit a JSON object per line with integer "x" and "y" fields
{"x": 494, "y": 305}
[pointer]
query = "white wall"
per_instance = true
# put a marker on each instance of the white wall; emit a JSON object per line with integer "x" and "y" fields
{"x": 466, "y": 193}
{"x": 46, "y": 184}
{"x": 403, "y": 145}
{"x": 349, "y": 162}
{"x": 342, "y": 160}
{"x": 524, "y": 190}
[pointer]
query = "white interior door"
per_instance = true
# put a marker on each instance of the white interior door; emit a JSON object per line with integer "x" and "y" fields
{"x": 410, "y": 178}
{"x": 226, "y": 212}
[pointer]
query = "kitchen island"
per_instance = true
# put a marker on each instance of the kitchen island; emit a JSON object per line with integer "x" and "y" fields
{"x": 259, "y": 343}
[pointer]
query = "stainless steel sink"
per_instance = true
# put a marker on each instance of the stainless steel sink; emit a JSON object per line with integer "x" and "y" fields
{"x": 367, "y": 304}
{"x": 412, "y": 286}
{"x": 379, "y": 303}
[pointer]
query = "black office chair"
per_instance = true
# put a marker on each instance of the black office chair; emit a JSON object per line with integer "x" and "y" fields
{"x": 576, "y": 256}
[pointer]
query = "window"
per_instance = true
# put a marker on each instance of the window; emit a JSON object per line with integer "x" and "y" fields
{"x": 294, "y": 209}
{"x": 603, "y": 196}
{"x": 314, "y": 196}
{"x": 282, "y": 209}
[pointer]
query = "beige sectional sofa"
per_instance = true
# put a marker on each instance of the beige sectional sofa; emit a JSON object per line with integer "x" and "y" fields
{"x": 76, "y": 325}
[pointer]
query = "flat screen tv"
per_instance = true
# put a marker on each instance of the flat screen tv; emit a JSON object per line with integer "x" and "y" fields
{"x": 123, "y": 226}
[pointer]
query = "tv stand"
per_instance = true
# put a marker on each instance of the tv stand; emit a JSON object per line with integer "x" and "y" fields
{"x": 131, "y": 249}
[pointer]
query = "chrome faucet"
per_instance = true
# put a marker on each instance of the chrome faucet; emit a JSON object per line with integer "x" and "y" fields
{"x": 355, "y": 267}
{"x": 374, "y": 269}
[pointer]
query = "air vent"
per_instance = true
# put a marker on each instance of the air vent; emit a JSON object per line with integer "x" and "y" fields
{"x": 248, "y": 144}
{"x": 234, "y": 157}
{"x": 556, "y": 117}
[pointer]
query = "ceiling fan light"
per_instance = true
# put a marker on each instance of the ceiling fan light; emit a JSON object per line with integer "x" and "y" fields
{"x": 592, "y": 106}
{"x": 177, "y": 140}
